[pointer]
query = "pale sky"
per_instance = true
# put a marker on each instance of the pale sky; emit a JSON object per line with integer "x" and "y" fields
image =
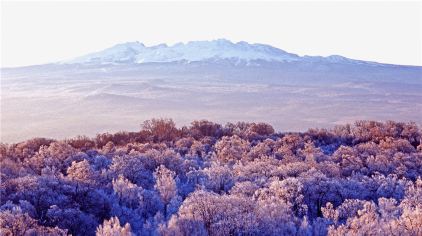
{"x": 42, "y": 32}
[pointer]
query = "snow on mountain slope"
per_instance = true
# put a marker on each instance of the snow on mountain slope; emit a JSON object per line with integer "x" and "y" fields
{"x": 135, "y": 52}
{"x": 220, "y": 49}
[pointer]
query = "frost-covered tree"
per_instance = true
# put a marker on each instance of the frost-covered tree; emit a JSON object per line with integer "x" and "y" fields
{"x": 129, "y": 194}
{"x": 16, "y": 222}
{"x": 208, "y": 179}
{"x": 112, "y": 227}
{"x": 165, "y": 184}
{"x": 82, "y": 172}
{"x": 231, "y": 149}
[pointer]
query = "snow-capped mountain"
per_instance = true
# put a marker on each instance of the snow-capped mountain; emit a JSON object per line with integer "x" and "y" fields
{"x": 225, "y": 81}
{"x": 136, "y": 52}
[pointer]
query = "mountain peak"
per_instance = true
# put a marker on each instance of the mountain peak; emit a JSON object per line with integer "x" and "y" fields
{"x": 218, "y": 49}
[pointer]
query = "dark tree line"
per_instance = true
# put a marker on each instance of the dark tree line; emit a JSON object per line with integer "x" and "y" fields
{"x": 210, "y": 179}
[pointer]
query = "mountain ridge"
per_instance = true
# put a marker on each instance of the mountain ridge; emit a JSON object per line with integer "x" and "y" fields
{"x": 194, "y": 51}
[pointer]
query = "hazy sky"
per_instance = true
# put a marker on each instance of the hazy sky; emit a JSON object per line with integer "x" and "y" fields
{"x": 41, "y": 32}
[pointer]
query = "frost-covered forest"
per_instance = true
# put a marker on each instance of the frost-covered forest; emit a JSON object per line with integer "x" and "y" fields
{"x": 212, "y": 179}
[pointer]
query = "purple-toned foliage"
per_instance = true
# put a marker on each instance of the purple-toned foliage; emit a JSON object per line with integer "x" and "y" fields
{"x": 211, "y": 179}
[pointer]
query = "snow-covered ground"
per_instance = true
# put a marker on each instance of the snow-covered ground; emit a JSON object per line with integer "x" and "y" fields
{"x": 64, "y": 100}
